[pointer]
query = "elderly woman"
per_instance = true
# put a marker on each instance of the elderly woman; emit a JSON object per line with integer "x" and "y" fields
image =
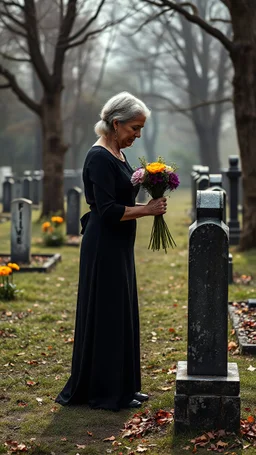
{"x": 106, "y": 357}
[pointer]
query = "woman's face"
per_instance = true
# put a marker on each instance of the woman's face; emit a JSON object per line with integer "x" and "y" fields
{"x": 127, "y": 132}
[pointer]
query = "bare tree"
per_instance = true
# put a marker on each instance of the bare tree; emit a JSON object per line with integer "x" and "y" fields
{"x": 195, "y": 69}
{"x": 79, "y": 21}
{"x": 242, "y": 50}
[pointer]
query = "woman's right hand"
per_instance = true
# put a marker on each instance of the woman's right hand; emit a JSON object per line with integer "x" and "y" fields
{"x": 156, "y": 206}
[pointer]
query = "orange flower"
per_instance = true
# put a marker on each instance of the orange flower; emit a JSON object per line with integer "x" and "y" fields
{"x": 57, "y": 219}
{"x": 5, "y": 270}
{"x": 13, "y": 266}
{"x": 154, "y": 168}
{"x": 45, "y": 226}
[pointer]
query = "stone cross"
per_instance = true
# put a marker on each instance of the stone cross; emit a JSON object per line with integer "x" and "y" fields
{"x": 21, "y": 212}
{"x": 207, "y": 386}
{"x": 233, "y": 175}
{"x": 7, "y": 193}
{"x": 73, "y": 211}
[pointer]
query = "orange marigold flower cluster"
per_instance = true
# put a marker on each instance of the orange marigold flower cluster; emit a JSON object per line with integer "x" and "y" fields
{"x": 13, "y": 266}
{"x": 57, "y": 219}
{"x": 5, "y": 270}
{"x": 154, "y": 168}
{"x": 45, "y": 226}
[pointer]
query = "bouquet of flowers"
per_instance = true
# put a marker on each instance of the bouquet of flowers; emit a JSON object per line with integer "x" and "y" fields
{"x": 53, "y": 232}
{"x": 7, "y": 287}
{"x": 157, "y": 178}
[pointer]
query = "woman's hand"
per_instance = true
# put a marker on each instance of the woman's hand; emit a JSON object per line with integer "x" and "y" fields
{"x": 156, "y": 206}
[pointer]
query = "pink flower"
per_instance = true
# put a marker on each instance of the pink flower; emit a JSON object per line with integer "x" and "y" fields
{"x": 138, "y": 176}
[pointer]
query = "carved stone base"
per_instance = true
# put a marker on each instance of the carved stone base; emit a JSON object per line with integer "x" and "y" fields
{"x": 207, "y": 402}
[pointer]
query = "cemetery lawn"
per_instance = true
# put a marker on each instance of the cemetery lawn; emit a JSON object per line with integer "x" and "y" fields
{"x": 36, "y": 336}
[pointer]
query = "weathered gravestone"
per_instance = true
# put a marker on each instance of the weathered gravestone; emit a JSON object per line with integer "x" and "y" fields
{"x": 73, "y": 211}
{"x": 233, "y": 175}
{"x": 207, "y": 386}
{"x": 7, "y": 193}
{"x": 27, "y": 185}
{"x": 21, "y": 231}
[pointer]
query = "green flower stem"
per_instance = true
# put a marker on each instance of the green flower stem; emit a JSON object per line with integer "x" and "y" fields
{"x": 160, "y": 235}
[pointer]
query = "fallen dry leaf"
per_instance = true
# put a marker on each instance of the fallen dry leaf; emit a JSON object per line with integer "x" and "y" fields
{"x": 111, "y": 438}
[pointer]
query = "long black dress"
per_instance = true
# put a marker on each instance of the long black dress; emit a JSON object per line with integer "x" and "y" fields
{"x": 106, "y": 357}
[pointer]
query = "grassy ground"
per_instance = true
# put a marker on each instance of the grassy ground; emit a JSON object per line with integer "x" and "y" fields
{"x": 36, "y": 341}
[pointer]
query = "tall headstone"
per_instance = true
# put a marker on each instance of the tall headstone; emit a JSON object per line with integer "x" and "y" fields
{"x": 21, "y": 230}
{"x": 233, "y": 175}
{"x": 73, "y": 211}
{"x": 7, "y": 193}
{"x": 27, "y": 185}
{"x": 207, "y": 386}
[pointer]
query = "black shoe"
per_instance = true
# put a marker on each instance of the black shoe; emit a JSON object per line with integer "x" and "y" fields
{"x": 141, "y": 396}
{"x": 134, "y": 404}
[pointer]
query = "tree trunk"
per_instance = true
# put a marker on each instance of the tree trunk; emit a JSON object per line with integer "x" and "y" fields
{"x": 53, "y": 155}
{"x": 244, "y": 60}
{"x": 208, "y": 139}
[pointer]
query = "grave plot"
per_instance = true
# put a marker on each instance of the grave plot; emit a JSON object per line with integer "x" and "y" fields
{"x": 243, "y": 317}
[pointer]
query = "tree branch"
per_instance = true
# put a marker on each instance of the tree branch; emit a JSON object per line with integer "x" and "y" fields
{"x": 96, "y": 32}
{"x": 219, "y": 19}
{"x": 33, "y": 44}
{"x": 13, "y": 30}
{"x": 15, "y": 59}
{"x": 5, "y": 86}
{"x": 61, "y": 46}
{"x": 196, "y": 20}
{"x": 12, "y": 82}
{"x": 87, "y": 25}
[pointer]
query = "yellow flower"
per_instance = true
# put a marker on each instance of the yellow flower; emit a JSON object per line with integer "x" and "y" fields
{"x": 57, "y": 219}
{"x": 45, "y": 226}
{"x": 169, "y": 168}
{"x": 154, "y": 168}
{"x": 13, "y": 266}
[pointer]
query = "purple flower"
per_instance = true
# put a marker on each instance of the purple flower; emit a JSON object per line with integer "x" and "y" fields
{"x": 173, "y": 181}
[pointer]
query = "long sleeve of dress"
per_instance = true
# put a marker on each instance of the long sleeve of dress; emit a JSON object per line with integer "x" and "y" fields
{"x": 102, "y": 173}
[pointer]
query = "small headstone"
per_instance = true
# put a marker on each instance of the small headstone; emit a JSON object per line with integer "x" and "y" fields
{"x": 21, "y": 230}
{"x": 215, "y": 180}
{"x": 73, "y": 211}
{"x": 27, "y": 185}
{"x": 36, "y": 188}
{"x": 7, "y": 193}
{"x": 17, "y": 189}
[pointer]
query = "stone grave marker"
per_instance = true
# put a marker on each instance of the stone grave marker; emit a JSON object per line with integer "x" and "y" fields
{"x": 7, "y": 193}
{"x": 27, "y": 185}
{"x": 207, "y": 386}
{"x": 233, "y": 175}
{"x": 21, "y": 211}
{"x": 73, "y": 211}
{"x": 17, "y": 189}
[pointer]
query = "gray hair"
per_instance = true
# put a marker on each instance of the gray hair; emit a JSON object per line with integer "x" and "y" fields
{"x": 122, "y": 107}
